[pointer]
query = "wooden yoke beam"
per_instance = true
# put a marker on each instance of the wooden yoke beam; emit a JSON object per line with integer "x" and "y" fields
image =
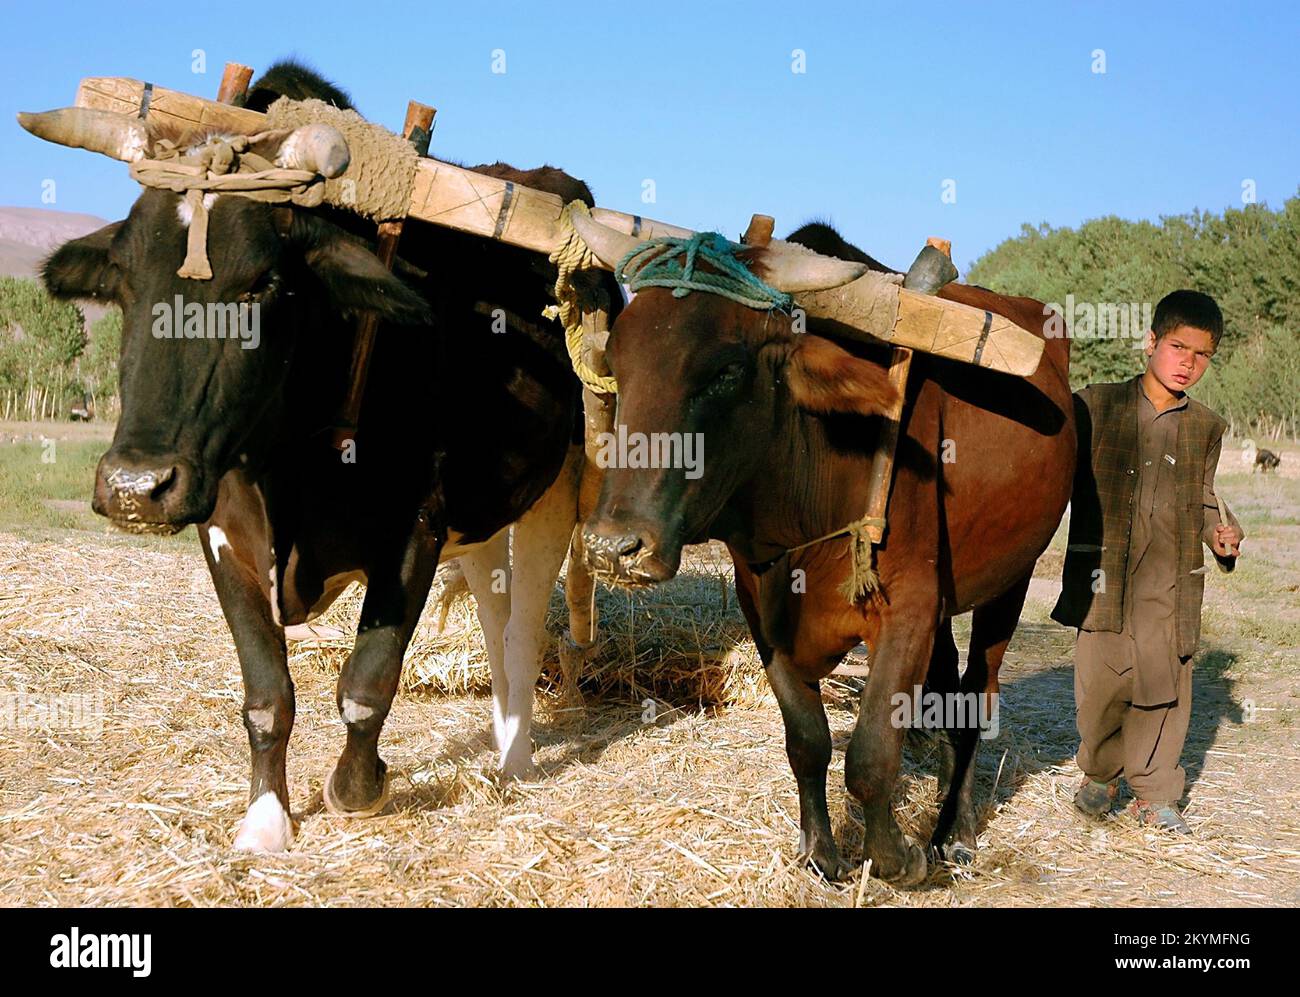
{"x": 760, "y": 230}
{"x": 454, "y": 197}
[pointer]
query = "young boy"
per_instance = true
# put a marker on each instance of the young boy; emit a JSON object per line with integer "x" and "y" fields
{"x": 1134, "y": 570}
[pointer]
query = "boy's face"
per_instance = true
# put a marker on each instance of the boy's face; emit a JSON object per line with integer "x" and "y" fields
{"x": 1179, "y": 357}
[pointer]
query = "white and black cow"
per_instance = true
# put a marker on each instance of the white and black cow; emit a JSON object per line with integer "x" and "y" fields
{"x": 463, "y": 431}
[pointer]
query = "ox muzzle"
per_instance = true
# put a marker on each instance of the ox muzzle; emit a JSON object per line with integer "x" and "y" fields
{"x": 629, "y": 555}
{"x": 149, "y": 493}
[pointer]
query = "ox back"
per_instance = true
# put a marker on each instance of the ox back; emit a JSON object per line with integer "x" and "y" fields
{"x": 484, "y": 405}
{"x": 481, "y": 408}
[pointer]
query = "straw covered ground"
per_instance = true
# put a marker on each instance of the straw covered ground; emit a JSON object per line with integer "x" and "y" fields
{"x": 123, "y": 760}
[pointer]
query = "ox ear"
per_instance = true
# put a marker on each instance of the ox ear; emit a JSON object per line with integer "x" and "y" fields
{"x": 825, "y": 378}
{"x": 80, "y": 268}
{"x": 357, "y": 282}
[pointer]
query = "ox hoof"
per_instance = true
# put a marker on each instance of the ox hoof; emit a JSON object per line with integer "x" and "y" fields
{"x": 824, "y": 857}
{"x": 266, "y": 827}
{"x": 958, "y": 853}
{"x": 915, "y": 867}
{"x": 336, "y": 807}
{"x": 517, "y": 770}
{"x": 573, "y": 656}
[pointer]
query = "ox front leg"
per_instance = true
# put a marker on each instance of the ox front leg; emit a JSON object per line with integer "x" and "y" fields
{"x": 487, "y": 570}
{"x": 898, "y": 666}
{"x": 808, "y": 746}
{"x": 237, "y": 546}
{"x": 992, "y": 628}
{"x": 396, "y": 590}
{"x": 539, "y": 544}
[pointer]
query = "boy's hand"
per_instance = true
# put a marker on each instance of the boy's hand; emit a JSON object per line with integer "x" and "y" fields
{"x": 1226, "y": 540}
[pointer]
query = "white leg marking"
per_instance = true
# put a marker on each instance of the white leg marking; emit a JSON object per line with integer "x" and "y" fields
{"x": 263, "y": 720}
{"x": 491, "y": 592}
{"x": 541, "y": 539}
{"x": 354, "y": 711}
{"x": 275, "y": 596}
{"x": 266, "y": 827}
{"x": 217, "y": 539}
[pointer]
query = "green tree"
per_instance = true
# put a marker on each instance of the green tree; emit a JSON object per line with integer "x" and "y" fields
{"x": 40, "y": 341}
{"x": 98, "y": 365}
{"x": 1247, "y": 258}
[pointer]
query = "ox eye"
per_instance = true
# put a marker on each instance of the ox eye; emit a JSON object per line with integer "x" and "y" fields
{"x": 726, "y": 381}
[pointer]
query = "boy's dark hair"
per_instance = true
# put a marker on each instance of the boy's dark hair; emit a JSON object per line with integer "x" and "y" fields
{"x": 1188, "y": 308}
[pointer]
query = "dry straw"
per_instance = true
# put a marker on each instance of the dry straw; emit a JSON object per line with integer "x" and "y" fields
{"x": 697, "y": 807}
{"x": 684, "y": 641}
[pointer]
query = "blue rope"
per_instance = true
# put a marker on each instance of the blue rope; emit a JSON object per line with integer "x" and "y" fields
{"x": 669, "y": 262}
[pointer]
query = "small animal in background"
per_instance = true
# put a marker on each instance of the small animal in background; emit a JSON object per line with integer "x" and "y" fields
{"x": 83, "y": 411}
{"x": 1266, "y": 460}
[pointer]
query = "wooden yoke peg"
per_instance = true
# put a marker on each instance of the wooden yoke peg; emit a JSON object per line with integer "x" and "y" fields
{"x": 234, "y": 82}
{"x": 417, "y": 130}
{"x": 759, "y": 232}
{"x": 882, "y": 463}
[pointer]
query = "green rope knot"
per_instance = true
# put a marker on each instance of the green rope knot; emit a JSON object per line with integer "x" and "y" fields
{"x": 672, "y": 263}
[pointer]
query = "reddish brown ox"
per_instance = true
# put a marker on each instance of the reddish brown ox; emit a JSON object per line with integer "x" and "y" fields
{"x": 983, "y": 474}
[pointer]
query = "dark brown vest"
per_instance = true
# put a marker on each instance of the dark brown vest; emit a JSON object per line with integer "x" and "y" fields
{"x": 1102, "y": 506}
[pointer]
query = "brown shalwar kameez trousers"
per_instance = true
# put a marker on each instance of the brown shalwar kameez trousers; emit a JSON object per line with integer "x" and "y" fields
{"x": 1133, "y": 673}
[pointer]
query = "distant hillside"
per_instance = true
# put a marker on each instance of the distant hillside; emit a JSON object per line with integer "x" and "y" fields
{"x": 28, "y": 235}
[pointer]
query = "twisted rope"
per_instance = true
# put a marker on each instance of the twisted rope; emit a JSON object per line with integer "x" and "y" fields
{"x": 665, "y": 262}
{"x": 672, "y": 263}
{"x": 224, "y": 165}
{"x": 571, "y": 255}
{"x": 862, "y": 580}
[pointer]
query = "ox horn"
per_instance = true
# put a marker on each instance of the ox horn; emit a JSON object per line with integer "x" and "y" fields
{"x": 790, "y": 267}
{"x": 316, "y": 148}
{"x": 608, "y": 244}
{"x": 793, "y": 268}
{"x": 105, "y": 132}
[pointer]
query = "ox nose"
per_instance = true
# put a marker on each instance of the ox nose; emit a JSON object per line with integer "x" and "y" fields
{"x": 132, "y": 492}
{"x": 607, "y": 551}
{"x": 625, "y": 555}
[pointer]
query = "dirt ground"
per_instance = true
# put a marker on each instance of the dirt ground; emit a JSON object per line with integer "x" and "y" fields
{"x": 123, "y": 760}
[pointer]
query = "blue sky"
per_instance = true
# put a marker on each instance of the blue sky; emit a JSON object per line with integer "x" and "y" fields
{"x": 701, "y": 99}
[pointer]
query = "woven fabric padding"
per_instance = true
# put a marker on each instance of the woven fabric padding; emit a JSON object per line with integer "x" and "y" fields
{"x": 379, "y": 180}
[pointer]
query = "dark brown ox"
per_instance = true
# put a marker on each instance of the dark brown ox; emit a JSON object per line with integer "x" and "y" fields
{"x": 468, "y": 425}
{"x": 790, "y": 423}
